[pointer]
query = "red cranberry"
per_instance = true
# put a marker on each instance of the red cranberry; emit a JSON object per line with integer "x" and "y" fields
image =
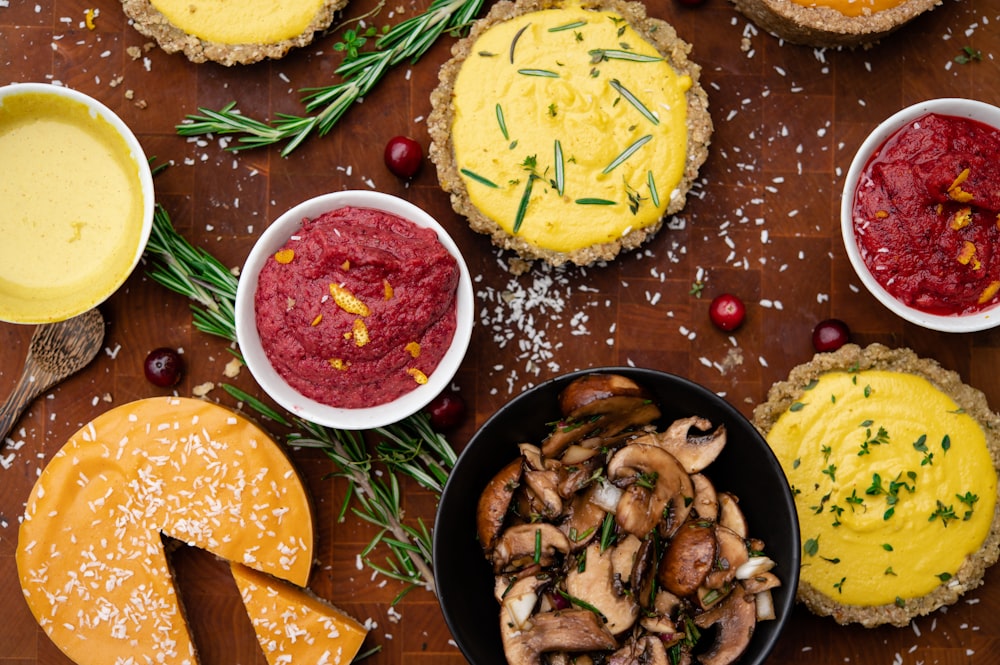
{"x": 727, "y": 311}
{"x": 830, "y": 335}
{"x": 163, "y": 367}
{"x": 446, "y": 411}
{"x": 403, "y": 156}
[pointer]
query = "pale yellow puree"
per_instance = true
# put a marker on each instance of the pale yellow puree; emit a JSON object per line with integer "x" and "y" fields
{"x": 244, "y": 22}
{"x": 532, "y": 100}
{"x": 71, "y": 208}
{"x": 859, "y": 547}
{"x": 852, "y": 7}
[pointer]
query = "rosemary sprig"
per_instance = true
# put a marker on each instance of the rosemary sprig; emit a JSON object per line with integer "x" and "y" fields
{"x": 359, "y": 71}
{"x": 194, "y": 273}
{"x": 410, "y": 447}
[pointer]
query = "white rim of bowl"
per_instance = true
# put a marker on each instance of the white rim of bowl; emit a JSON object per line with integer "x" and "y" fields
{"x": 271, "y": 240}
{"x": 137, "y": 154}
{"x": 953, "y": 106}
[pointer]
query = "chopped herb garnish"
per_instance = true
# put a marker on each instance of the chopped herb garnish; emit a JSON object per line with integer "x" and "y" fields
{"x": 545, "y": 73}
{"x": 522, "y": 207}
{"x": 920, "y": 445}
{"x": 831, "y": 471}
{"x": 633, "y": 100}
{"x": 968, "y": 54}
{"x": 881, "y": 438}
{"x": 839, "y": 586}
{"x": 628, "y": 152}
{"x": 944, "y": 577}
{"x": 502, "y": 123}
{"x": 653, "y": 194}
{"x": 513, "y": 42}
{"x": 970, "y": 500}
{"x": 601, "y": 54}
{"x": 478, "y": 178}
{"x": 796, "y": 406}
{"x": 812, "y": 546}
{"x": 946, "y": 443}
{"x": 568, "y": 26}
{"x": 696, "y": 289}
{"x": 943, "y": 512}
{"x": 560, "y": 175}
{"x": 594, "y": 202}
{"x": 887, "y": 547}
{"x": 538, "y": 545}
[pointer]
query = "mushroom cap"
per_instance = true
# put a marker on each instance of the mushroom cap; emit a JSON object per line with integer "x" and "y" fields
{"x": 734, "y": 619}
{"x": 523, "y": 544}
{"x": 640, "y": 509}
{"x": 597, "y": 584}
{"x": 571, "y": 630}
{"x": 491, "y": 510}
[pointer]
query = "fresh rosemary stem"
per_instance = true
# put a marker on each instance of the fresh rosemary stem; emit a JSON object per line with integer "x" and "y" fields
{"x": 410, "y": 447}
{"x": 360, "y": 72}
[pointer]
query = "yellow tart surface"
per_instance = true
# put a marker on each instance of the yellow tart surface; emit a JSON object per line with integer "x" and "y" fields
{"x": 90, "y": 555}
{"x": 894, "y": 484}
{"x": 569, "y": 128}
{"x": 293, "y": 626}
{"x": 852, "y": 7}
{"x": 245, "y": 22}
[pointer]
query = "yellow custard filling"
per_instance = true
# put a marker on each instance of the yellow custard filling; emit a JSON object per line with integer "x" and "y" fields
{"x": 569, "y": 128}
{"x": 852, "y": 7}
{"x": 71, "y": 207}
{"x": 245, "y": 22}
{"x": 894, "y": 485}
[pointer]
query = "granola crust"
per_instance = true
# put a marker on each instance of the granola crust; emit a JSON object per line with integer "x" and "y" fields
{"x": 658, "y": 33}
{"x": 823, "y": 27}
{"x": 876, "y": 356}
{"x": 149, "y": 21}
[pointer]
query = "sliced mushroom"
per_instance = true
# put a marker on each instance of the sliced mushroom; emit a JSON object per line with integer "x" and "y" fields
{"x": 544, "y": 488}
{"x": 656, "y": 479}
{"x": 595, "y": 583}
{"x": 566, "y": 434}
{"x": 623, "y": 556}
{"x": 518, "y": 596}
{"x": 694, "y": 452}
{"x": 730, "y": 514}
{"x": 563, "y": 630}
{"x": 761, "y": 582}
{"x": 644, "y": 573}
{"x": 524, "y": 544}
{"x": 584, "y": 520}
{"x": 689, "y": 558}
{"x": 494, "y": 502}
{"x": 706, "y": 502}
{"x": 734, "y": 619}
{"x": 646, "y": 650}
{"x": 732, "y": 554}
{"x": 588, "y": 394}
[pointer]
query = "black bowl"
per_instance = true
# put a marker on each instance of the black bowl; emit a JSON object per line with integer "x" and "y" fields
{"x": 746, "y": 467}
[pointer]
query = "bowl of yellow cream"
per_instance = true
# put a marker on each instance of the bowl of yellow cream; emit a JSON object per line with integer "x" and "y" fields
{"x": 76, "y": 202}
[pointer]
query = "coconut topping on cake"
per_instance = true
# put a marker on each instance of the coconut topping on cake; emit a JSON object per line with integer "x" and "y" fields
{"x": 90, "y": 553}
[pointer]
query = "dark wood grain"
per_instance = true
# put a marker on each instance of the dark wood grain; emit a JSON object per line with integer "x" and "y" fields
{"x": 763, "y": 223}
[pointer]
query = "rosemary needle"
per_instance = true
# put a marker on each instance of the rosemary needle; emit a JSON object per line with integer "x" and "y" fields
{"x": 407, "y": 41}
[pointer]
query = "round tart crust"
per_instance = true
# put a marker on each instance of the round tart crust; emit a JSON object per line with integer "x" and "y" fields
{"x": 149, "y": 21}
{"x": 823, "y": 27}
{"x": 876, "y": 356}
{"x": 655, "y": 31}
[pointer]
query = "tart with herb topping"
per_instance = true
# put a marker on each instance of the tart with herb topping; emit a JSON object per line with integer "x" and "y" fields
{"x": 832, "y": 23}
{"x": 893, "y": 463}
{"x": 568, "y": 131}
{"x": 231, "y": 33}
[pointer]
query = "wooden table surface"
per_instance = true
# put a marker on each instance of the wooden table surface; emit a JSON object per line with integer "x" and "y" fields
{"x": 762, "y": 222}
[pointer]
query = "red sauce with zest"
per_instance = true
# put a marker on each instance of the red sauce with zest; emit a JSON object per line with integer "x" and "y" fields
{"x": 926, "y": 215}
{"x": 357, "y": 307}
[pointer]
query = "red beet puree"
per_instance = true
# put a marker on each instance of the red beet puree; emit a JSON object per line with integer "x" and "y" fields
{"x": 358, "y": 308}
{"x": 925, "y": 214}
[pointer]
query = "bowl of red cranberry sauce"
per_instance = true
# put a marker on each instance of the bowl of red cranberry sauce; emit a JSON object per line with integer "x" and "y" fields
{"x": 920, "y": 214}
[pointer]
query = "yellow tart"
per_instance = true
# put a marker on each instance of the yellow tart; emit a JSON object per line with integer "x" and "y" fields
{"x": 90, "y": 553}
{"x": 293, "y": 625}
{"x": 832, "y": 23}
{"x": 568, "y": 131}
{"x": 893, "y": 464}
{"x": 231, "y": 32}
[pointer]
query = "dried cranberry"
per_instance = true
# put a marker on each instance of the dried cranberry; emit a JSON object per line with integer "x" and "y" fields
{"x": 163, "y": 367}
{"x": 403, "y": 156}
{"x": 727, "y": 311}
{"x": 446, "y": 410}
{"x": 830, "y": 335}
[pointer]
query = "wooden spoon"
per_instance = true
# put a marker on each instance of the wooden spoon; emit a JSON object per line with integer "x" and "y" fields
{"x": 56, "y": 351}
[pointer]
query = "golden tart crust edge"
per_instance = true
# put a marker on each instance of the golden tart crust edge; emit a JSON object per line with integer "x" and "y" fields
{"x": 823, "y": 27}
{"x": 852, "y": 357}
{"x": 657, "y": 32}
{"x": 149, "y": 21}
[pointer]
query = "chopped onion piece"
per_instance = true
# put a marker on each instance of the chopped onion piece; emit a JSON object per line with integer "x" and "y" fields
{"x": 765, "y": 606}
{"x": 519, "y": 608}
{"x": 754, "y": 566}
{"x": 606, "y": 496}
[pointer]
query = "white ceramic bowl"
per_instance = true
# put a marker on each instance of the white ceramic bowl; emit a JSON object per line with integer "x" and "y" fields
{"x": 274, "y": 385}
{"x": 965, "y": 108}
{"x": 76, "y": 208}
